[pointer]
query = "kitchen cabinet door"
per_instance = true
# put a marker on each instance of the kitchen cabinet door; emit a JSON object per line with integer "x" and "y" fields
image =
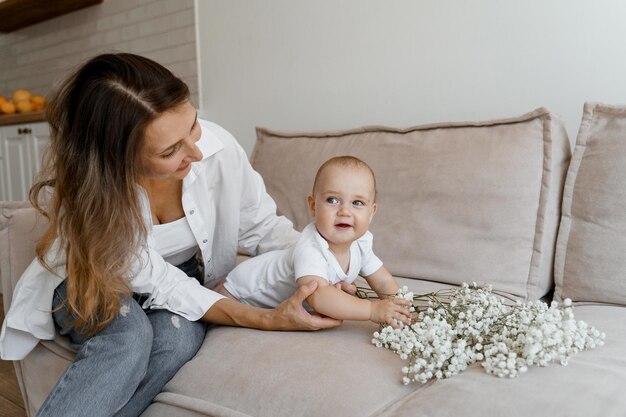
{"x": 2, "y": 192}
{"x": 22, "y": 151}
{"x": 39, "y": 143}
{"x": 16, "y": 174}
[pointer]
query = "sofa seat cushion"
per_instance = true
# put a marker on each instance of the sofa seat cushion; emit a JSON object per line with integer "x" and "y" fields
{"x": 457, "y": 202}
{"x": 240, "y": 372}
{"x": 590, "y": 385}
{"x": 330, "y": 373}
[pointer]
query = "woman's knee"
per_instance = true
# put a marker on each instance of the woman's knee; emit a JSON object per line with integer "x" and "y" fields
{"x": 133, "y": 326}
{"x": 129, "y": 336}
{"x": 176, "y": 336}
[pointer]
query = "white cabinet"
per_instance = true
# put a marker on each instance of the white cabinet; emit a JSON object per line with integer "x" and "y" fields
{"x": 2, "y": 192}
{"x": 22, "y": 149}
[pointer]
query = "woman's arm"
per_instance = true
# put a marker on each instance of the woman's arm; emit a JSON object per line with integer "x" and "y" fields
{"x": 289, "y": 315}
{"x": 333, "y": 302}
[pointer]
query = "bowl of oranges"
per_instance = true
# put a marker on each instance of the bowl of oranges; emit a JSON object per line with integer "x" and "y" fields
{"x": 21, "y": 101}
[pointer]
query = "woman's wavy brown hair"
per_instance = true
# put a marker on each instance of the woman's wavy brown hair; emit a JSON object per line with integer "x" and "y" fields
{"x": 97, "y": 121}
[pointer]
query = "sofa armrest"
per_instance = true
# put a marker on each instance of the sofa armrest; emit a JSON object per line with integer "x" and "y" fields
{"x": 20, "y": 229}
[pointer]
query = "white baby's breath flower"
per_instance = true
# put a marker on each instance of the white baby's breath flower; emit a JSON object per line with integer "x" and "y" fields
{"x": 469, "y": 324}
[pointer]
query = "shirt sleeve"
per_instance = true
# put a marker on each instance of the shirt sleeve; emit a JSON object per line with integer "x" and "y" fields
{"x": 260, "y": 229}
{"x": 370, "y": 263}
{"x": 170, "y": 288}
{"x": 309, "y": 260}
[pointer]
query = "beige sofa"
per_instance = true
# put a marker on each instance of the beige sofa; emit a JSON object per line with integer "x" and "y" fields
{"x": 457, "y": 202}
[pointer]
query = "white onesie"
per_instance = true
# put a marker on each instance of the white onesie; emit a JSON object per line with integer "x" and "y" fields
{"x": 269, "y": 279}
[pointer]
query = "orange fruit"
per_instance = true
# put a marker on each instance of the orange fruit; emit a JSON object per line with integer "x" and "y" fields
{"x": 38, "y": 100}
{"x": 7, "y": 108}
{"x": 23, "y": 106}
{"x": 3, "y": 99}
{"x": 21, "y": 94}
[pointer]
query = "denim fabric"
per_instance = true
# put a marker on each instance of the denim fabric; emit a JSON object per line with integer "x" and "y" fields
{"x": 192, "y": 268}
{"x": 119, "y": 370}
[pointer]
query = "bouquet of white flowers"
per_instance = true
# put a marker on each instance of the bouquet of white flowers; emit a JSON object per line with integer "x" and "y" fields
{"x": 459, "y": 326}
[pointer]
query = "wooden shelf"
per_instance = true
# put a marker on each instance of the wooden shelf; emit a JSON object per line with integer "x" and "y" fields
{"x": 16, "y": 119}
{"x": 16, "y": 14}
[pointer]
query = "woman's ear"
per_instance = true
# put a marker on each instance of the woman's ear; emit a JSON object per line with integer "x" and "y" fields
{"x": 311, "y": 202}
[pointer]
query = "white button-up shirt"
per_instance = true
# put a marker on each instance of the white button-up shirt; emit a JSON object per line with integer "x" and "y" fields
{"x": 228, "y": 210}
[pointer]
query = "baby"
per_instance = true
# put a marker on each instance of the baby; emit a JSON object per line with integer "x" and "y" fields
{"x": 335, "y": 247}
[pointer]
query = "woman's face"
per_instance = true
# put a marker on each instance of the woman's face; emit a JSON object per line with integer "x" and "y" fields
{"x": 169, "y": 145}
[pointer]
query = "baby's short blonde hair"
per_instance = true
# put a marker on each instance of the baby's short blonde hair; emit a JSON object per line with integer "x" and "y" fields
{"x": 347, "y": 161}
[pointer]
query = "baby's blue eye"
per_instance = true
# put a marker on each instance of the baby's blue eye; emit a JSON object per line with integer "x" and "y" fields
{"x": 332, "y": 200}
{"x": 358, "y": 203}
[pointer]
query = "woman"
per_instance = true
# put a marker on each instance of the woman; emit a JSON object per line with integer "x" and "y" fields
{"x": 136, "y": 184}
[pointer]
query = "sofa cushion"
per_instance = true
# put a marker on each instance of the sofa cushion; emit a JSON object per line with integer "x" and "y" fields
{"x": 243, "y": 372}
{"x": 590, "y": 385}
{"x": 457, "y": 202}
{"x": 257, "y": 373}
{"x": 591, "y": 248}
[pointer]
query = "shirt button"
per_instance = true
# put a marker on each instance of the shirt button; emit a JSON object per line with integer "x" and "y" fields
{"x": 192, "y": 212}
{"x": 205, "y": 241}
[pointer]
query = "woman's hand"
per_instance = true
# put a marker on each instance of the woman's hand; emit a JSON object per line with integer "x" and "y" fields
{"x": 391, "y": 311}
{"x": 288, "y": 315}
{"x": 291, "y": 315}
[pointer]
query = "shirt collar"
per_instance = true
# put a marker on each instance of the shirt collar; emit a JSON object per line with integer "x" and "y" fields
{"x": 209, "y": 144}
{"x": 318, "y": 236}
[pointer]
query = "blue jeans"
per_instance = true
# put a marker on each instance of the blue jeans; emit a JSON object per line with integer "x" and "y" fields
{"x": 119, "y": 370}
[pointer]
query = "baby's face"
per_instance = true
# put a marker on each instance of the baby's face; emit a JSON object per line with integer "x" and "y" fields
{"x": 343, "y": 204}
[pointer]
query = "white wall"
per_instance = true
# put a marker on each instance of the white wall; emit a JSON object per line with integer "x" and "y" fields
{"x": 37, "y": 56}
{"x": 328, "y": 64}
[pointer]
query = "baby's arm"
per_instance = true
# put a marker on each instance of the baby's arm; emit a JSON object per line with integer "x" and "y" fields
{"x": 335, "y": 303}
{"x": 221, "y": 289}
{"x": 383, "y": 283}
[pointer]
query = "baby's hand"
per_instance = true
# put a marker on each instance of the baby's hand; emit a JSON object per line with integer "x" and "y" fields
{"x": 391, "y": 311}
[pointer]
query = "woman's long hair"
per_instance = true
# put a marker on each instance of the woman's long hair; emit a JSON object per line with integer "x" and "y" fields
{"x": 97, "y": 121}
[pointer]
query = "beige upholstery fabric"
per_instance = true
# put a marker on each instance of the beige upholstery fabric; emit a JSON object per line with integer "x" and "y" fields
{"x": 242, "y": 372}
{"x": 591, "y": 249}
{"x": 20, "y": 227}
{"x": 457, "y": 202}
{"x": 590, "y": 385}
{"x": 41, "y": 370}
{"x": 6, "y": 211}
{"x": 330, "y": 373}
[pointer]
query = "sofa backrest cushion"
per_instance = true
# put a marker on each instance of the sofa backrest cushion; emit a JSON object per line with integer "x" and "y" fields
{"x": 458, "y": 202}
{"x": 591, "y": 249}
